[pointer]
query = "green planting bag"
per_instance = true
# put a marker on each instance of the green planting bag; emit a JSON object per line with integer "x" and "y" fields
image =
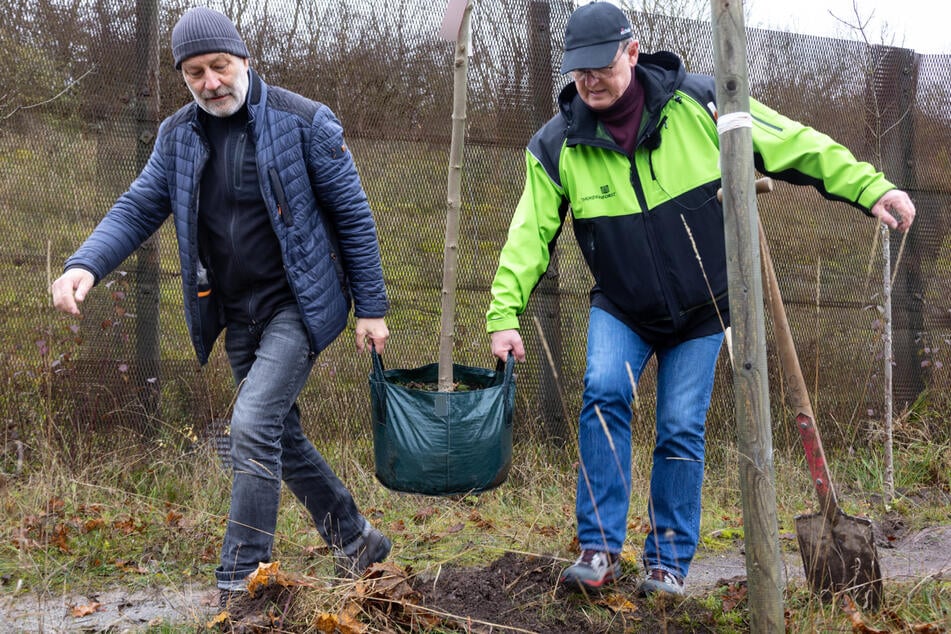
{"x": 442, "y": 443}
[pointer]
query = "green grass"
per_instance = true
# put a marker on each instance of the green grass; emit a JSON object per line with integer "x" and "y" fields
{"x": 137, "y": 516}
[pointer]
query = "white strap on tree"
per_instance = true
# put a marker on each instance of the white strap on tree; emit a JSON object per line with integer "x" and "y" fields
{"x": 733, "y": 121}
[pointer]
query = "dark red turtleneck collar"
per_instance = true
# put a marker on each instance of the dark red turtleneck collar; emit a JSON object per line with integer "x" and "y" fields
{"x": 623, "y": 118}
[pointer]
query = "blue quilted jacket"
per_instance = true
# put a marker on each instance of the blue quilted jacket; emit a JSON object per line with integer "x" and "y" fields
{"x": 317, "y": 206}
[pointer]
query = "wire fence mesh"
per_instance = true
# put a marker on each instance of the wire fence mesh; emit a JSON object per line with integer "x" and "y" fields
{"x": 83, "y": 94}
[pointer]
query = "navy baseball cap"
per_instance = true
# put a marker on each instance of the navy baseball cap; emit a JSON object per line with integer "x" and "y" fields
{"x": 592, "y": 36}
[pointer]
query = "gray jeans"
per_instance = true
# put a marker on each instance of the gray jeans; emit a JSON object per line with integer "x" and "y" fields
{"x": 271, "y": 363}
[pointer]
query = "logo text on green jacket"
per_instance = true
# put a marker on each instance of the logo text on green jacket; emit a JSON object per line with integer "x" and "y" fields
{"x": 605, "y": 193}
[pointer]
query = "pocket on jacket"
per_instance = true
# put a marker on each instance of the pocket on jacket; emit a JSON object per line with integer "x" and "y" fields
{"x": 283, "y": 209}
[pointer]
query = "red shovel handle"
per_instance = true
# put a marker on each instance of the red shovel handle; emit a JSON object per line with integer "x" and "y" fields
{"x": 816, "y": 459}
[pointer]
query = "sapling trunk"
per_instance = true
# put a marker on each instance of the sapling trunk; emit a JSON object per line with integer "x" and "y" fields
{"x": 451, "y": 250}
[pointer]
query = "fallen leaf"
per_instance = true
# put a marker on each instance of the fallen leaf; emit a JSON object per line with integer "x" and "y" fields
{"x": 263, "y": 576}
{"x": 59, "y": 537}
{"x": 858, "y": 621}
{"x": 79, "y": 611}
{"x": 639, "y": 525}
{"x": 221, "y": 617}
{"x": 55, "y": 506}
{"x": 618, "y": 603}
{"x": 918, "y": 628}
{"x": 385, "y": 581}
{"x": 173, "y": 518}
{"x": 210, "y": 553}
{"x": 126, "y": 525}
{"x": 399, "y": 526}
{"x": 349, "y": 624}
{"x": 476, "y": 518}
{"x": 24, "y": 542}
{"x": 93, "y": 524}
{"x": 326, "y": 622}
{"x": 424, "y": 514}
{"x": 385, "y": 588}
{"x": 270, "y": 574}
{"x": 734, "y": 595}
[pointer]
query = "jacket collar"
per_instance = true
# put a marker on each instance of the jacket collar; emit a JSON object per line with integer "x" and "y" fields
{"x": 256, "y": 91}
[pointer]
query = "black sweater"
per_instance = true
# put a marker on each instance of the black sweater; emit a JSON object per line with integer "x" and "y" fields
{"x": 236, "y": 240}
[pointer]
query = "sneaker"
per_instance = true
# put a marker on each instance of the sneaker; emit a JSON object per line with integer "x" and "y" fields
{"x": 352, "y": 561}
{"x": 593, "y": 570}
{"x": 660, "y": 581}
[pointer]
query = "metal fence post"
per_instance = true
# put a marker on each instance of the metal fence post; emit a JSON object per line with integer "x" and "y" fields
{"x": 147, "y": 293}
{"x": 546, "y": 304}
{"x": 891, "y": 134}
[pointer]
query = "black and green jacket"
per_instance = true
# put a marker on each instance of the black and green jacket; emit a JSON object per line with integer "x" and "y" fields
{"x": 641, "y": 220}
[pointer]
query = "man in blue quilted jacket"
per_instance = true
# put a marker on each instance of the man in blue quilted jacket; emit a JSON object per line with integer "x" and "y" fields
{"x": 276, "y": 240}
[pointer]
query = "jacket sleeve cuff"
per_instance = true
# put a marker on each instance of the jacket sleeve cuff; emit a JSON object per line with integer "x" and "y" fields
{"x": 83, "y": 268}
{"x": 501, "y": 323}
{"x": 870, "y": 196}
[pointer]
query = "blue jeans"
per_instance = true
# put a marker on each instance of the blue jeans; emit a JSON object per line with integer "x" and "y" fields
{"x": 616, "y": 357}
{"x": 271, "y": 363}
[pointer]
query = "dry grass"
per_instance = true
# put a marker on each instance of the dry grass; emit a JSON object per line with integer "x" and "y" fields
{"x": 144, "y": 515}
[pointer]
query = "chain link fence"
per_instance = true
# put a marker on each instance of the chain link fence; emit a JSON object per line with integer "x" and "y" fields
{"x": 86, "y": 83}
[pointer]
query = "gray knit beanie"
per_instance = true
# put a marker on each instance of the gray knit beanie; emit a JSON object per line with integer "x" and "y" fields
{"x": 201, "y": 30}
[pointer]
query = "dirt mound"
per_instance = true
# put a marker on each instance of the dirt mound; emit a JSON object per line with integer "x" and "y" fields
{"x": 519, "y": 593}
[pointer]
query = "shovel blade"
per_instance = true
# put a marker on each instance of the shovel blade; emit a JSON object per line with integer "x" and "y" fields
{"x": 839, "y": 556}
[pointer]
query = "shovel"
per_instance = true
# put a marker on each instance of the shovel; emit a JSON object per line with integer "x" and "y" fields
{"x": 838, "y": 550}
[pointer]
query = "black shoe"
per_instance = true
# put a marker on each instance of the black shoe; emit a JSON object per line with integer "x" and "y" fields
{"x": 370, "y": 549}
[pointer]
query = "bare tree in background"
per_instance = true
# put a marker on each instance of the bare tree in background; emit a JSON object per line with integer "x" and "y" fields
{"x": 672, "y": 25}
{"x": 891, "y": 79}
{"x": 35, "y": 68}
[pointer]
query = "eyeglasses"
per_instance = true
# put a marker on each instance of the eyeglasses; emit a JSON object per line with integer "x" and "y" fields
{"x": 596, "y": 74}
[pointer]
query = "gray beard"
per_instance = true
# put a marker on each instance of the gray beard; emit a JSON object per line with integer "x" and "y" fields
{"x": 239, "y": 91}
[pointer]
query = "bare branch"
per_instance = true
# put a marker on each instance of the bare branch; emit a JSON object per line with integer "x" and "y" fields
{"x": 51, "y": 99}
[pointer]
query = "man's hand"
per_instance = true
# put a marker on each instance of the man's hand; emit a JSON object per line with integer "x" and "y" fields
{"x": 70, "y": 289}
{"x": 895, "y": 209}
{"x": 505, "y": 341}
{"x": 373, "y": 329}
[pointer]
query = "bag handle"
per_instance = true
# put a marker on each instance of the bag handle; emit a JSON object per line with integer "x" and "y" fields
{"x": 507, "y": 368}
{"x": 377, "y": 361}
{"x": 377, "y": 387}
{"x": 508, "y": 384}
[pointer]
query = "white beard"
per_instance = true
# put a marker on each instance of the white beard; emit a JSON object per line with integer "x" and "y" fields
{"x": 226, "y": 108}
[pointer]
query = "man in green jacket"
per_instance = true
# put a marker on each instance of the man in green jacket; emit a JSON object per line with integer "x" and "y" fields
{"x": 634, "y": 154}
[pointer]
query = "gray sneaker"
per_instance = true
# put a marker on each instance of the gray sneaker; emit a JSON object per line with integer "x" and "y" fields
{"x": 660, "y": 581}
{"x": 592, "y": 571}
{"x": 353, "y": 560}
